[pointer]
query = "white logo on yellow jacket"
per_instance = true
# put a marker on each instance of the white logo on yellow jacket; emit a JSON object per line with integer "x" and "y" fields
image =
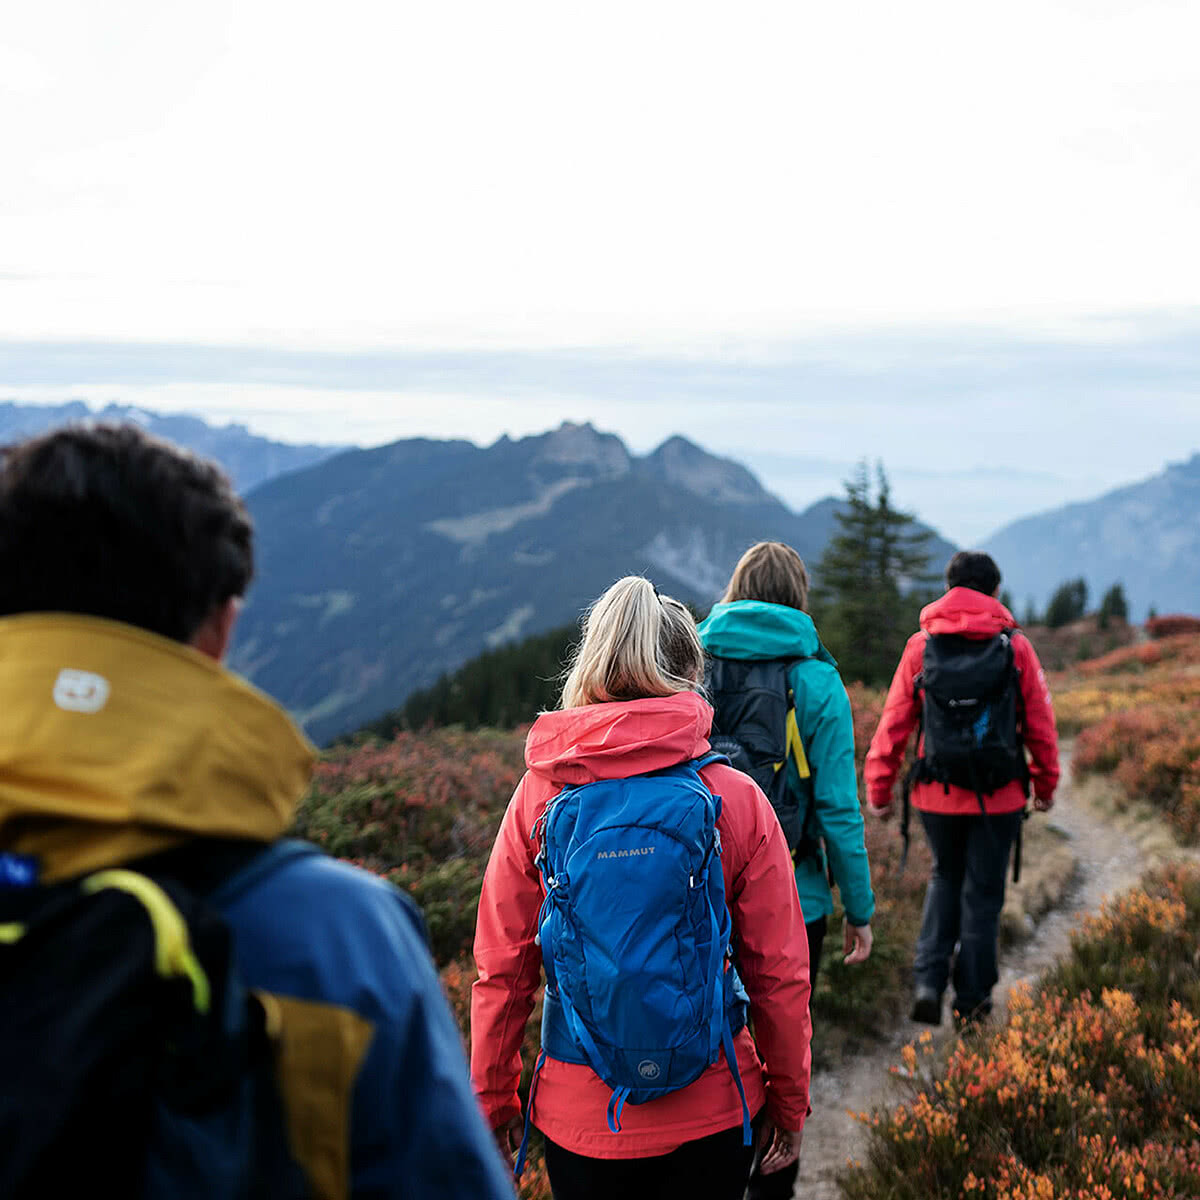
{"x": 80, "y": 691}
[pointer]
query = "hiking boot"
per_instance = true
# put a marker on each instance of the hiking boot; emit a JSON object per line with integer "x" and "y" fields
{"x": 927, "y": 1006}
{"x": 964, "y": 1021}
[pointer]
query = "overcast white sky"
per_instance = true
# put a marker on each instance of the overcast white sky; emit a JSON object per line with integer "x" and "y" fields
{"x": 858, "y": 219}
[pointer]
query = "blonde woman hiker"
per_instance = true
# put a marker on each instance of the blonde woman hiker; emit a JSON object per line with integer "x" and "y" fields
{"x": 782, "y": 714}
{"x": 653, "y": 883}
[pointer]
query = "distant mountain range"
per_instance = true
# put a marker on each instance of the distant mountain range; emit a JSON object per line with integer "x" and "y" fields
{"x": 248, "y": 458}
{"x": 382, "y": 569}
{"x": 1145, "y": 536}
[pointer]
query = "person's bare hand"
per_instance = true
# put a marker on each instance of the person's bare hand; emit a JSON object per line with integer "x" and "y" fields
{"x": 508, "y": 1137}
{"x": 1043, "y": 803}
{"x": 781, "y": 1148}
{"x": 856, "y": 942}
{"x": 882, "y": 812}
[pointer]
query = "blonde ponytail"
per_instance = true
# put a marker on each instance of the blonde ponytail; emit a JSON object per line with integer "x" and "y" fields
{"x": 635, "y": 644}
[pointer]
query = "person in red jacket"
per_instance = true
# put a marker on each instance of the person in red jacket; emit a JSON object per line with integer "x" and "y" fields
{"x": 971, "y": 848}
{"x": 630, "y": 705}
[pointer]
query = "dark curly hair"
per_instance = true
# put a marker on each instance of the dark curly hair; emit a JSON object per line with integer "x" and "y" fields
{"x": 108, "y": 521}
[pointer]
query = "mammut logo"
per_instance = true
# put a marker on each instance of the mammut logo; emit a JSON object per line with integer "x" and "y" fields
{"x": 635, "y": 852}
{"x": 80, "y": 691}
{"x": 648, "y": 1069}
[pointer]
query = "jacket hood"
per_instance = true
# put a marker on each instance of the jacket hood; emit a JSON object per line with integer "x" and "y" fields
{"x": 967, "y": 612}
{"x": 117, "y": 743}
{"x": 753, "y": 629}
{"x": 612, "y": 741}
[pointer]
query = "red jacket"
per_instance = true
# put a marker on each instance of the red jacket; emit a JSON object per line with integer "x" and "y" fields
{"x": 612, "y": 741}
{"x": 972, "y": 614}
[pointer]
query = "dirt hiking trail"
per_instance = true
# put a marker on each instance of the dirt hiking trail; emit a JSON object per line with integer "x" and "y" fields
{"x": 1112, "y": 851}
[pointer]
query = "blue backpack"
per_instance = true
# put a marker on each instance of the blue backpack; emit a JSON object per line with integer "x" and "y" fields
{"x": 635, "y": 936}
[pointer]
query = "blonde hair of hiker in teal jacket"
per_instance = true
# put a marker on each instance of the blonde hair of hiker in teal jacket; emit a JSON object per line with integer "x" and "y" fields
{"x": 748, "y": 625}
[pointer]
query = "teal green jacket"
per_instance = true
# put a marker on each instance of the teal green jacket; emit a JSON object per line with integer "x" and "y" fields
{"x": 751, "y": 629}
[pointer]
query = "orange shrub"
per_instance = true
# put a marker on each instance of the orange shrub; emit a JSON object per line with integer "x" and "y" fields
{"x": 1090, "y": 1091}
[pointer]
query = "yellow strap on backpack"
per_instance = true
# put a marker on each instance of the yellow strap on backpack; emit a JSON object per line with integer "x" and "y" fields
{"x": 173, "y": 954}
{"x": 795, "y": 747}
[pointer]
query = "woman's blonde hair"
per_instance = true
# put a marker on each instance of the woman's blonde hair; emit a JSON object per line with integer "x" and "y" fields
{"x": 635, "y": 644}
{"x": 770, "y": 571}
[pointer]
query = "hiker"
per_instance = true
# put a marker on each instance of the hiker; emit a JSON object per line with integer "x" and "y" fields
{"x": 779, "y": 701}
{"x": 618, "y": 922}
{"x": 972, "y": 683}
{"x": 144, "y": 793}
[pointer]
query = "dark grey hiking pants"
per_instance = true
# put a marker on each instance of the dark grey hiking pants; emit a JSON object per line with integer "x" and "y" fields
{"x": 962, "y": 905}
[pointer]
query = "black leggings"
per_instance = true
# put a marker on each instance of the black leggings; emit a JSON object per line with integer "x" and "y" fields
{"x": 710, "y": 1168}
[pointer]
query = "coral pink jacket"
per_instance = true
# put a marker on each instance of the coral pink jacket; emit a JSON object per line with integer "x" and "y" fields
{"x": 612, "y": 741}
{"x": 972, "y": 614}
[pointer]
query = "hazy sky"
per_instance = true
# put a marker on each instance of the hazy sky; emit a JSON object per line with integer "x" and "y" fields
{"x": 961, "y": 237}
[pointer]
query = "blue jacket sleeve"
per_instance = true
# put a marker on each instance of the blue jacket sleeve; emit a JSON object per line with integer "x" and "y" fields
{"x": 321, "y": 930}
{"x": 417, "y": 1130}
{"x": 827, "y": 731}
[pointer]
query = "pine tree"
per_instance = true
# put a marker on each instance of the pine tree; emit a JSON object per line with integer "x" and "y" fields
{"x": 871, "y": 579}
{"x": 1113, "y": 606}
{"x": 1069, "y": 603}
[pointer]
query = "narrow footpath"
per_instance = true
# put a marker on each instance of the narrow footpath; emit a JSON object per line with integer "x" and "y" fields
{"x": 1112, "y": 852}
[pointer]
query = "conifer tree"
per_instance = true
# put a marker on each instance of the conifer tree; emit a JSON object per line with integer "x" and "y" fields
{"x": 872, "y": 579}
{"x": 1069, "y": 603}
{"x": 1113, "y": 606}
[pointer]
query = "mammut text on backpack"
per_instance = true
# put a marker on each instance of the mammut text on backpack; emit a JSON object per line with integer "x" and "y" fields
{"x": 970, "y": 713}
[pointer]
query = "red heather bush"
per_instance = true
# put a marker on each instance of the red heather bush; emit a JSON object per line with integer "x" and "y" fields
{"x": 1159, "y": 627}
{"x": 422, "y": 810}
{"x": 1154, "y": 753}
{"x": 419, "y": 799}
{"x": 1177, "y": 649}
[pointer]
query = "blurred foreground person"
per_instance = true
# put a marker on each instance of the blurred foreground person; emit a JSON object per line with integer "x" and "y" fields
{"x": 652, "y": 882}
{"x": 190, "y": 1006}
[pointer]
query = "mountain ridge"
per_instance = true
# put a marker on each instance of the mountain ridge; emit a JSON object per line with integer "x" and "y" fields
{"x": 248, "y": 458}
{"x": 382, "y": 569}
{"x": 1138, "y": 535}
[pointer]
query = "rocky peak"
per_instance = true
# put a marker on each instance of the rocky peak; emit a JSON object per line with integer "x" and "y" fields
{"x": 572, "y": 445}
{"x": 721, "y": 480}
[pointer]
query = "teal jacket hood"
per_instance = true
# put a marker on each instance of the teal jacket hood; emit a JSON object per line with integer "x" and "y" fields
{"x": 753, "y": 629}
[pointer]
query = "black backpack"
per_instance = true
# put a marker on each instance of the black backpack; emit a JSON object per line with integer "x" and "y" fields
{"x": 132, "y": 1058}
{"x": 970, "y": 713}
{"x": 752, "y": 703}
